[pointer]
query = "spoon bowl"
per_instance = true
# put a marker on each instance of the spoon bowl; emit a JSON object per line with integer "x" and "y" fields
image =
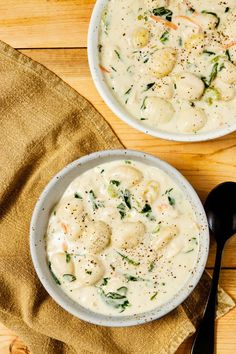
{"x": 220, "y": 207}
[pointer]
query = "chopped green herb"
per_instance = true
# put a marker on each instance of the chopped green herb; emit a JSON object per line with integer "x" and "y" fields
{"x": 208, "y": 52}
{"x": 53, "y": 275}
{"x": 112, "y": 267}
{"x": 115, "y": 300}
{"x": 127, "y": 94}
{"x": 163, "y": 12}
{"x": 54, "y": 213}
{"x": 164, "y": 37}
{"x": 68, "y": 257}
{"x": 151, "y": 266}
{"x": 69, "y": 277}
{"x": 146, "y": 209}
{"x": 127, "y": 259}
{"x": 116, "y": 183}
{"x": 122, "y": 210}
{"x": 143, "y": 118}
{"x": 213, "y": 14}
{"x": 153, "y": 296}
{"x": 157, "y": 229}
{"x": 216, "y": 59}
{"x": 168, "y": 191}
{"x": 145, "y": 60}
{"x": 113, "y": 68}
{"x": 128, "y": 162}
{"x": 144, "y": 105}
{"x": 99, "y": 48}
{"x": 149, "y": 86}
{"x": 227, "y": 9}
{"x": 77, "y": 195}
{"x": 89, "y": 272}
{"x": 104, "y": 281}
{"x": 122, "y": 290}
{"x": 126, "y": 196}
{"x": 180, "y": 42}
{"x": 133, "y": 278}
{"x": 93, "y": 199}
{"x": 102, "y": 171}
{"x": 227, "y": 53}
{"x": 215, "y": 69}
{"x": 191, "y": 250}
{"x": 171, "y": 200}
{"x": 140, "y": 17}
{"x": 117, "y": 53}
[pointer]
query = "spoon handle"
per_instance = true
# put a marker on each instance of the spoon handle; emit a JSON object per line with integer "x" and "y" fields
{"x": 205, "y": 338}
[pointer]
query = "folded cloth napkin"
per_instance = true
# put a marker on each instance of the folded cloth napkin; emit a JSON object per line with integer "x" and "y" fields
{"x": 45, "y": 124}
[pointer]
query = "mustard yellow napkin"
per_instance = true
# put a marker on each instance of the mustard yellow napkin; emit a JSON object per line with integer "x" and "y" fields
{"x": 45, "y": 125}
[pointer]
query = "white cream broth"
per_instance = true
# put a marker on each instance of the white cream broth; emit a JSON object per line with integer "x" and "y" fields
{"x": 171, "y": 64}
{"x": 123, "y": 239}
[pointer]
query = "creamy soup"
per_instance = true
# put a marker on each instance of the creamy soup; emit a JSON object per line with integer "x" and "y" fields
{"x": 171, "y": 64}
{"x": 123, "y": 239}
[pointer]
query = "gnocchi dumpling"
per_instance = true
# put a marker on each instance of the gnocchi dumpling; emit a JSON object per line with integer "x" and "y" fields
{"x": 127, "y": 175}
{"x": 162, "y": 62}
{"x": 128, "y": 234}
{"x": 70, "y": 207}
{"x": 189, "y": 86}
{"x": 195, "y": 42}
{"x": 70, "y": 215}
{"x": 140, "y": 37}
{"x": 88, "y": 270}
{"x": 151, "y": 191}
{"x": 158, "y": 111}
{"x": 60, "y": 265}
{"x": 164, "y": 88}
{"x": 164, "y": 236}
{"x": 226, "y": 91}
{"x": 191, "y": 119}
{"x": 96, "y": 236}
{"x": 228, "y": 73}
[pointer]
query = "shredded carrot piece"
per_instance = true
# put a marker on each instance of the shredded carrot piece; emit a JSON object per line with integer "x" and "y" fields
{"x": 65, "y": 227}
{"x": 165, "y": 23}
{"x": 189, "y": 19}
{"x": 229, "y": 45}
{"x": 103, "y": 69}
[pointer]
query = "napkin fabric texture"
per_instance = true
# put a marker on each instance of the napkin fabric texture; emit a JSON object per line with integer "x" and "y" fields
{"x": 45, "y": 125}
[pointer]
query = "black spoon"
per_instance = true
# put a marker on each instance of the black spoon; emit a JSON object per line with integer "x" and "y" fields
{"x": 220, "y": 207}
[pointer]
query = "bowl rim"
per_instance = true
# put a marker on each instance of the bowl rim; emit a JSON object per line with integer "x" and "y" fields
{"x": 112, "y": 102}
{"x": 37, "y": 240}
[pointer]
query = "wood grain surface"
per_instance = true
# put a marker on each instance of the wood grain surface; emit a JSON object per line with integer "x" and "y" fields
{"x": 54, "y": 33}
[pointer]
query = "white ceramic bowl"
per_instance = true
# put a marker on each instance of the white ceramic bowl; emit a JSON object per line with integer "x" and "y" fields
{"x": 51, "y": 195}
{"x": 116, "y": 107}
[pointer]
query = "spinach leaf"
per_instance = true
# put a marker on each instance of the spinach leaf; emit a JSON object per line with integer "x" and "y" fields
{"x": 53, "y": 275}
{"x": 69, "y": 277}
{"x": 149, "y": 86}
{"x": 165, "y": 37}
{"x": 122, "y": 210}
{"x": 127, "y": 259}
{"x": 213, "y": 14}
{"x": 163, "y": 12}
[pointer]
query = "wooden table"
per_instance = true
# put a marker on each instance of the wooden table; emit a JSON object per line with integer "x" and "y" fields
{"x": 54, "y": 32}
